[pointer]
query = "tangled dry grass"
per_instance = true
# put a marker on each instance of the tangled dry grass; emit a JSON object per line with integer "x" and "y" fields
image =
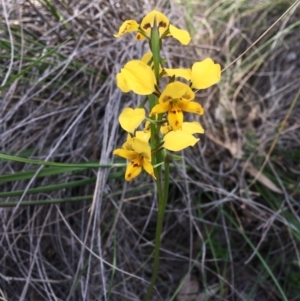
{"x": 232, "y": 224}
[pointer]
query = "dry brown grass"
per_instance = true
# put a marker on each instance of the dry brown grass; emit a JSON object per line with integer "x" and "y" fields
{"x": 224, "y": 229}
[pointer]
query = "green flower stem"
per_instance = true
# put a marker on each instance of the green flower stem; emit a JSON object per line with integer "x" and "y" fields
{"x": 160, "y": 218}
{"x": 162, "y": 202}
{"x": 155, "y": 46}
{"x": 166, "y": 183}
{"x": 157, "y": 158}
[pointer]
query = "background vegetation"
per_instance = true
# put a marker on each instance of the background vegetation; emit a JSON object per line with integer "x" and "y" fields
{"x": 72, "y": 229}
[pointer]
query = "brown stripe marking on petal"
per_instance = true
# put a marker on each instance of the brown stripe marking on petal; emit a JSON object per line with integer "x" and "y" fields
{"x": 146, "y": 26}
{"x": 162, "y": 24}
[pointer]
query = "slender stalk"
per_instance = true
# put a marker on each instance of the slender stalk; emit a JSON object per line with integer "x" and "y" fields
{"x": 166, "y": 183}
{"x": 160, "y": 218}
{"x": 162, "y": 190}
{"x": 161, "y": 201}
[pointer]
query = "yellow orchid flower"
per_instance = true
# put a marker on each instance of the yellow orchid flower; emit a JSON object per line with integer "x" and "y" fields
{"x": 144, "y": 29}
{"x": 181, "y": 139}
{"x": 138, "y": 77}
{"x": 176, "y": 97}
{"x": 138, "y": 153}
{"x": 203, "y": 74}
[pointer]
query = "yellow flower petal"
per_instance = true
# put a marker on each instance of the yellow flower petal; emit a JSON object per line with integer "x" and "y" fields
{"x": 146, "y": 57}
{"x": 180, "y": 34}
{"x": 192, "y": 127}
{"x": 176, "y": 90}
{"x": 143, "y": 135}
{"x": 134, "y": 168}
{"x": 139, "y": 37}
{"x": 191, "y": 107}
{"x": 147, "y": 126}
{"x": 165, "y": 128}
{"x": 141, "y": 147}
{"x": 160, "y": 108}
{"x": 127, "y": 26}
{"x": 130, "y": 119}
{"x": 148, "y": 22}
{"x": 128, "y": 143}
{"x": 185, "y": 73}
{"x": 125, "y": 153}
{"x": 175, "y": 116}
{"x": 148, "y": 168}
{"x": 121, "y": 83}
{"x": 179, "y": 140}
{"x": 138, "y": 77}
{"x": 205, "y": 74}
